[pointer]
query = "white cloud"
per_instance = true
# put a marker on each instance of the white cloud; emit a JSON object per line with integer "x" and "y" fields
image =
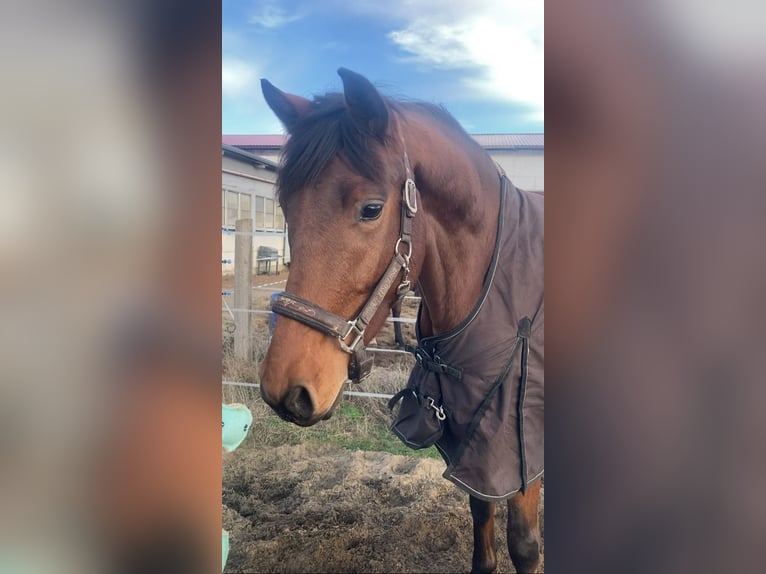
{"x": 270, "y": 15}
{"x": 497, "y": 44}
{"x": 238, "y": 78}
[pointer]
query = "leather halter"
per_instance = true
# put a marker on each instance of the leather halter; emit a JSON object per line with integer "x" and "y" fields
{"x": 350, "y": 334}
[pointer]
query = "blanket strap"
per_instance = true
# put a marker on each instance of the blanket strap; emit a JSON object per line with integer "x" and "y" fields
{"x": 434, "y": 363}
{"x": 524, "y": 332}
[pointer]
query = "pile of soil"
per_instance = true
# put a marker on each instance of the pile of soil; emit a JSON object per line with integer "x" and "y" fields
{"x": 319, "y": 508}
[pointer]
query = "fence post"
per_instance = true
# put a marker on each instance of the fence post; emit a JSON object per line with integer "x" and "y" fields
{"x": 243, "y": 292}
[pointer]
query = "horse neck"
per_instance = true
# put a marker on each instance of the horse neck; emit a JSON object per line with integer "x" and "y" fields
{"x": 459, "y": 189}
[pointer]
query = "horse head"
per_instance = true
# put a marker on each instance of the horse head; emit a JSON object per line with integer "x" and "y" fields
{"x": 341, "y": 189}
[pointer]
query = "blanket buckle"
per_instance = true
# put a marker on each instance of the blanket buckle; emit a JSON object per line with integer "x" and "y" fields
{"x": 439, "y": 410}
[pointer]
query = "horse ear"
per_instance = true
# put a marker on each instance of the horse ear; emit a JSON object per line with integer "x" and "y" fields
{"x": 364, "y": 103}
{"x": 287, "y": 107}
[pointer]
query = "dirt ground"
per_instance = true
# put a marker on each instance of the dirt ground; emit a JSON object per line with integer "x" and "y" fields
{"x": 319, "y": 508}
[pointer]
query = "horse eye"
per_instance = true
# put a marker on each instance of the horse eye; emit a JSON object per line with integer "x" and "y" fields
{"x": 371, "y": 211}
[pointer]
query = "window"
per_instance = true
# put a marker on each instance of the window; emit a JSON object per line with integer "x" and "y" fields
{"x": 235, "y": 206}
{"x": 265, "y": 210}
{"x": 268, "y": 214}
{"x": 244, "y": 206}
{"x": 268, "y": 219}
{"x": 259, "y": 212}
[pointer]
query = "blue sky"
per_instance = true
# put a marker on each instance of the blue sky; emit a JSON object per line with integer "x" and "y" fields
{"x": 481, "y": 59}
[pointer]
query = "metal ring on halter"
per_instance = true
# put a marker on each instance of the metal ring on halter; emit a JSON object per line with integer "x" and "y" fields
{"x": 409, "y": 248}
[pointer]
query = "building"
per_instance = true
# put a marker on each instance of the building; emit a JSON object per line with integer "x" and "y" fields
{"x": 250, "y": 162}
{"x": 520, "y": 155}
{"x": 248, "y": 183}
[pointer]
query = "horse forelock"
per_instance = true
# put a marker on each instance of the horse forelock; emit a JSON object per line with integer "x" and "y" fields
{"x": 324, "y": 133}
{"x": 328, "y": 131}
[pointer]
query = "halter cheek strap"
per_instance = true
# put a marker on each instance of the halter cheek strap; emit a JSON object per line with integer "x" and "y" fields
{"x": 350, "y": 334}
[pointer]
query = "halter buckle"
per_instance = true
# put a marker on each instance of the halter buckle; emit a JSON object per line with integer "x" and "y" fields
{"x": 351, "y": 349}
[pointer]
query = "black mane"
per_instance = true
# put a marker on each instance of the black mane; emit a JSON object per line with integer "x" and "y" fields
{"x": 328, "y": 130}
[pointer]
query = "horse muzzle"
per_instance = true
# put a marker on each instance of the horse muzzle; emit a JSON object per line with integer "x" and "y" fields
{"x": 297, "y": 406}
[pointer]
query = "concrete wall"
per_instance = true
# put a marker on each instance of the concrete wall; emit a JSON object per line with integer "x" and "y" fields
{"x": 525, "y": 168}
{"x": 227, "y": 249}
{"x": 244, "y": 182}
{"x": 273, "y": 155}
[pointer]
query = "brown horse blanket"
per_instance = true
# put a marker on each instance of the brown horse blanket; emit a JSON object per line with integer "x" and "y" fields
{"x": 488, "y": 370}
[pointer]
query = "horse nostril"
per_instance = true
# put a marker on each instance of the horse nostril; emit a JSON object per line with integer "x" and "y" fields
{"x": 298, "y": 403}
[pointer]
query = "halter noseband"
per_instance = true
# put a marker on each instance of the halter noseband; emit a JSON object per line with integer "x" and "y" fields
{"x": 350, "y": 334}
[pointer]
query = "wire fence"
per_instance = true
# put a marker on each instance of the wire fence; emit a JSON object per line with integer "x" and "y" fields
{"x": 261, "y": 233}
{"x": 345, "y": 393}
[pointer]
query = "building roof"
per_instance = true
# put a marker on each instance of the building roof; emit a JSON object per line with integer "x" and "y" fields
{"x": 510, "y": 141}
{"x": 268, "y": 140}
{"x": 487, "y": 141}
{"x": 252, "y": 158}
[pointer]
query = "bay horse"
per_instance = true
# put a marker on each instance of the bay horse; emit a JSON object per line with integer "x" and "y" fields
{"x": 380, "y": 195}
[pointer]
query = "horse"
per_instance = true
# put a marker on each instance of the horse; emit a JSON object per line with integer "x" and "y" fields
{"x": 381, "y": 195}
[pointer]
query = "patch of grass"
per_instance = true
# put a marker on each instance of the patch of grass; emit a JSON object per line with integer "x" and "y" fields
{"x": 352, "y": 412}
{"x": 352, "y": 432}
{"x": 352, "y": 427}
{"x": 385, "y": 442}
